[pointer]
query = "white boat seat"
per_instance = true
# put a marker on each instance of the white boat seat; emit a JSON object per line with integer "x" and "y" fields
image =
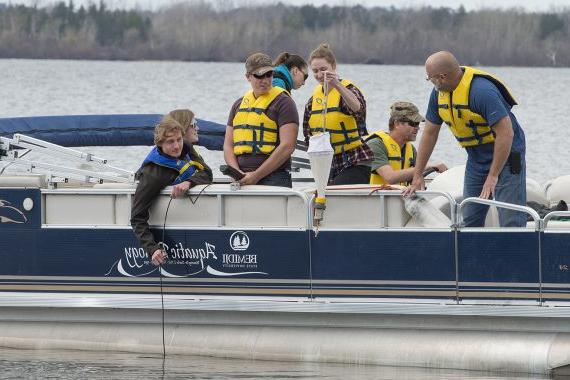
{"x": 33, "y": 181}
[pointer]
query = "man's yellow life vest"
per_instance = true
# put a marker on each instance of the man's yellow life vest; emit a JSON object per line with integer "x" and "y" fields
{"x": 342, "y": 127}
{"x": 254, "y": 131}
{"x": 468, "y": 127}
{"x": 397, "y": 157}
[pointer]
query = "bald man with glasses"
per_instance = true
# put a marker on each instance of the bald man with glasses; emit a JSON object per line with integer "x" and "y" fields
{"x": 476, "y": 105}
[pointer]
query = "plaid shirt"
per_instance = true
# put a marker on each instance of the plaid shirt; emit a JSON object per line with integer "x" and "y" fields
{"x": 357, "y": 156}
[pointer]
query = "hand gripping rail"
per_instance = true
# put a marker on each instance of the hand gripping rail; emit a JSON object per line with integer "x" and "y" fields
{"x": 12, "y": 151}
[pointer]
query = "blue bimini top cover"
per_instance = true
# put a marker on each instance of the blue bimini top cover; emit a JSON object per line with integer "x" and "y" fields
{"x": 103, "y": 130}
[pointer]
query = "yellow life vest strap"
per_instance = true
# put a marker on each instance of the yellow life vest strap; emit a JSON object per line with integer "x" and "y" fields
{"x": 196, "y": 164}
{"x": 332, "y": 109}
{"x": 258, "y": 133}
{"x": 406, "y": 159}
{"x": 256, "y": 142}
{"x": 402, "y": 159}
{"x": 343, "y": 131}
{"x": 470, "y": 124}
{"x": 469, "y": 127}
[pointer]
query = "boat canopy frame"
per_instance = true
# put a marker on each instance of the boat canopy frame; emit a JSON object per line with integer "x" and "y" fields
{"x": 13, "y": 150}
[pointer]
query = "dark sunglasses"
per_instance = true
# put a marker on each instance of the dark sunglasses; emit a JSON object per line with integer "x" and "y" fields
{"x": 414, "y": 124}
{"x": 268, "y": 74}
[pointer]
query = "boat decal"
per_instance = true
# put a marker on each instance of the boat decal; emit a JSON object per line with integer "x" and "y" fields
{"x": 239, "y": 241}
{"x": 122, "y": 271}
{"x": 184, "y": 261}
{"x": 10, "y": 214}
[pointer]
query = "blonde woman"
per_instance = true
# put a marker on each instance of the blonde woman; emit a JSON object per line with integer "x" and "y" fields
{"x": 345, "y": 110}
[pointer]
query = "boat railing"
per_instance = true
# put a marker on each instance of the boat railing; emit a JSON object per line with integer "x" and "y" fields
{"x": 504, "y": 205}
{"x": 555, "y": 214}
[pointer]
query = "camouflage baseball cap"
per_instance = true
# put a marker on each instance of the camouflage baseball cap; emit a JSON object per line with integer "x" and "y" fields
{"x": 258, "y": 63}
{"x": 406, "y": 111}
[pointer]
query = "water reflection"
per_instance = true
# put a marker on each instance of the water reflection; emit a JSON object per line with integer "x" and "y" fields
{"x": 37, "y": 364}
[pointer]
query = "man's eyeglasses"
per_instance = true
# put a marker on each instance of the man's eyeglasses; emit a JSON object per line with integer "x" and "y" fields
{"x": 428, "y": 78}
{"x": 268, "y": 74}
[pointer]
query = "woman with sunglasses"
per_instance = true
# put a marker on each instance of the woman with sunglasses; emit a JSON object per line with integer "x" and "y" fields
{"x": 342, "y": 111}
{"x": 262, "y": 128}
{"x": 172, "y": 161}
{"x": 291, "y": 71}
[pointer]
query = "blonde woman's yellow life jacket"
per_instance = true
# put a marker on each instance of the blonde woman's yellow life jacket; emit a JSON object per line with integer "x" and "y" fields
{"x": 254, "y": 131}
{"x": 397, "y": 157}
{"x": 468, "y": 127}
{"x": 342, "y": 127}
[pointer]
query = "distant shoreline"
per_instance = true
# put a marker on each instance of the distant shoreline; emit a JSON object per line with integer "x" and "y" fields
{"x": 240, "y": 62}
{"x": 200, "y": 32}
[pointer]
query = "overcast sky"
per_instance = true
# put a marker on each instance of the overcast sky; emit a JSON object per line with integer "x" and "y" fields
{"x": 531, "y": 5}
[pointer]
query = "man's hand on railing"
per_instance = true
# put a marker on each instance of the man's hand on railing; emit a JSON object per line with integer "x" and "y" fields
{"x": 418, "y": 183}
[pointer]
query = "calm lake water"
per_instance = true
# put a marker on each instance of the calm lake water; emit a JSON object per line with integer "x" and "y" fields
{"x": 18, "y": 364}
{"x": 35, "y": 87}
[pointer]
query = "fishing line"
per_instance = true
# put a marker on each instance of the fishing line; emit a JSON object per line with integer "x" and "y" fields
{"x": 199, "y": 194}
{"x": 193, "y": 201}
{"x": 160, "y": 273}
{"x": 161, "y": 287}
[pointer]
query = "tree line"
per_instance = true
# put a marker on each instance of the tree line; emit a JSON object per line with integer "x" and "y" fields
{"x": 206, "y": 31}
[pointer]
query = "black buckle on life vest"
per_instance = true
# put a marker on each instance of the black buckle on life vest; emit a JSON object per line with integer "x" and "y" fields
{"x": 476, "y": 135}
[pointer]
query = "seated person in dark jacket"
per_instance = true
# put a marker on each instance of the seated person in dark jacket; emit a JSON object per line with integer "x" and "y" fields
{"x": 173, "y": 161}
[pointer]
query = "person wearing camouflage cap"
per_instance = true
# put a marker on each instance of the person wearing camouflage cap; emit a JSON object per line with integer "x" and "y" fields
{"x": 476, "y": 106}
{"x": 394, "y": 154}
{"x": 262, "y": 127}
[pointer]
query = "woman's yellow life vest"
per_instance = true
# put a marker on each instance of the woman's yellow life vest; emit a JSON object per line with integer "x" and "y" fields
{"x": 254, "y": 131}
{"x": 468, "y": 127}
{"x": 342, "y": 127}
{"x": 397, "y": 157}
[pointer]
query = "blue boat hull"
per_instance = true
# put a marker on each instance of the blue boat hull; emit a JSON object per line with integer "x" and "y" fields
{"x": 453, "y": 266}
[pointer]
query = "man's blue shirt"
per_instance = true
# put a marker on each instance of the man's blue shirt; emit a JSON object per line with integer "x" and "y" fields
{"x": 486, "y": 100}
